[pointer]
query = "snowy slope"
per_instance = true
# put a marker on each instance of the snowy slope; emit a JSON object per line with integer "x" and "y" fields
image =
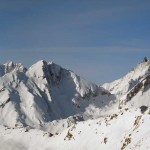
{"x": 134, "y": 88}
{"x": 124, "y": 131}
{"x": 126, "y": 83}
{"x": 47, "y": 107}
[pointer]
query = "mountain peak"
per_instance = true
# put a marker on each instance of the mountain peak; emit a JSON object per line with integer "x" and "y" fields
{"x": 37, "y": 69}
{"x": 9, "y": 63}
{"x": 11, "y": 66}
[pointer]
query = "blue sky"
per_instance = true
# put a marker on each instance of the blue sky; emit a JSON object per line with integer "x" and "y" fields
{"x": 98, "y": 39}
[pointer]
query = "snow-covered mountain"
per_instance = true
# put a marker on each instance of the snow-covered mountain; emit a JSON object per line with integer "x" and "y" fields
{"x": 133, "y": 88}
{"x": 48, "y": 107}
{"x": 45, "y": 92}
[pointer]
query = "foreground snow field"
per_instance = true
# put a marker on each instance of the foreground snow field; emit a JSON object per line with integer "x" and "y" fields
{"x": 47, "y": 107}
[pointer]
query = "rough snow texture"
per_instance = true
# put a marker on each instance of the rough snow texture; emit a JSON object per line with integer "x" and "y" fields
{"x": 48, "y": 107}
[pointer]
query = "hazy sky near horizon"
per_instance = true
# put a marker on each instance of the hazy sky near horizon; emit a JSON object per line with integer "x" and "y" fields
{"x": 100, "y": 40}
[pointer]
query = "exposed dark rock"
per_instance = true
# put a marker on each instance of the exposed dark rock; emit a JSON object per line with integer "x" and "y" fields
{"x": 143, "y": 108}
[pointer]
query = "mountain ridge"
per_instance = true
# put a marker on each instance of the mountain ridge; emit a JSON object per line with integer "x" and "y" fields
{"x": 45, "y": 92}
{"x": 47, "y": 103}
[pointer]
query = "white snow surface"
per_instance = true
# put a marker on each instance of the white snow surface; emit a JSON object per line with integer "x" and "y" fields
{"x": 47, "y": 107}
{"x": 121, "y": 86}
